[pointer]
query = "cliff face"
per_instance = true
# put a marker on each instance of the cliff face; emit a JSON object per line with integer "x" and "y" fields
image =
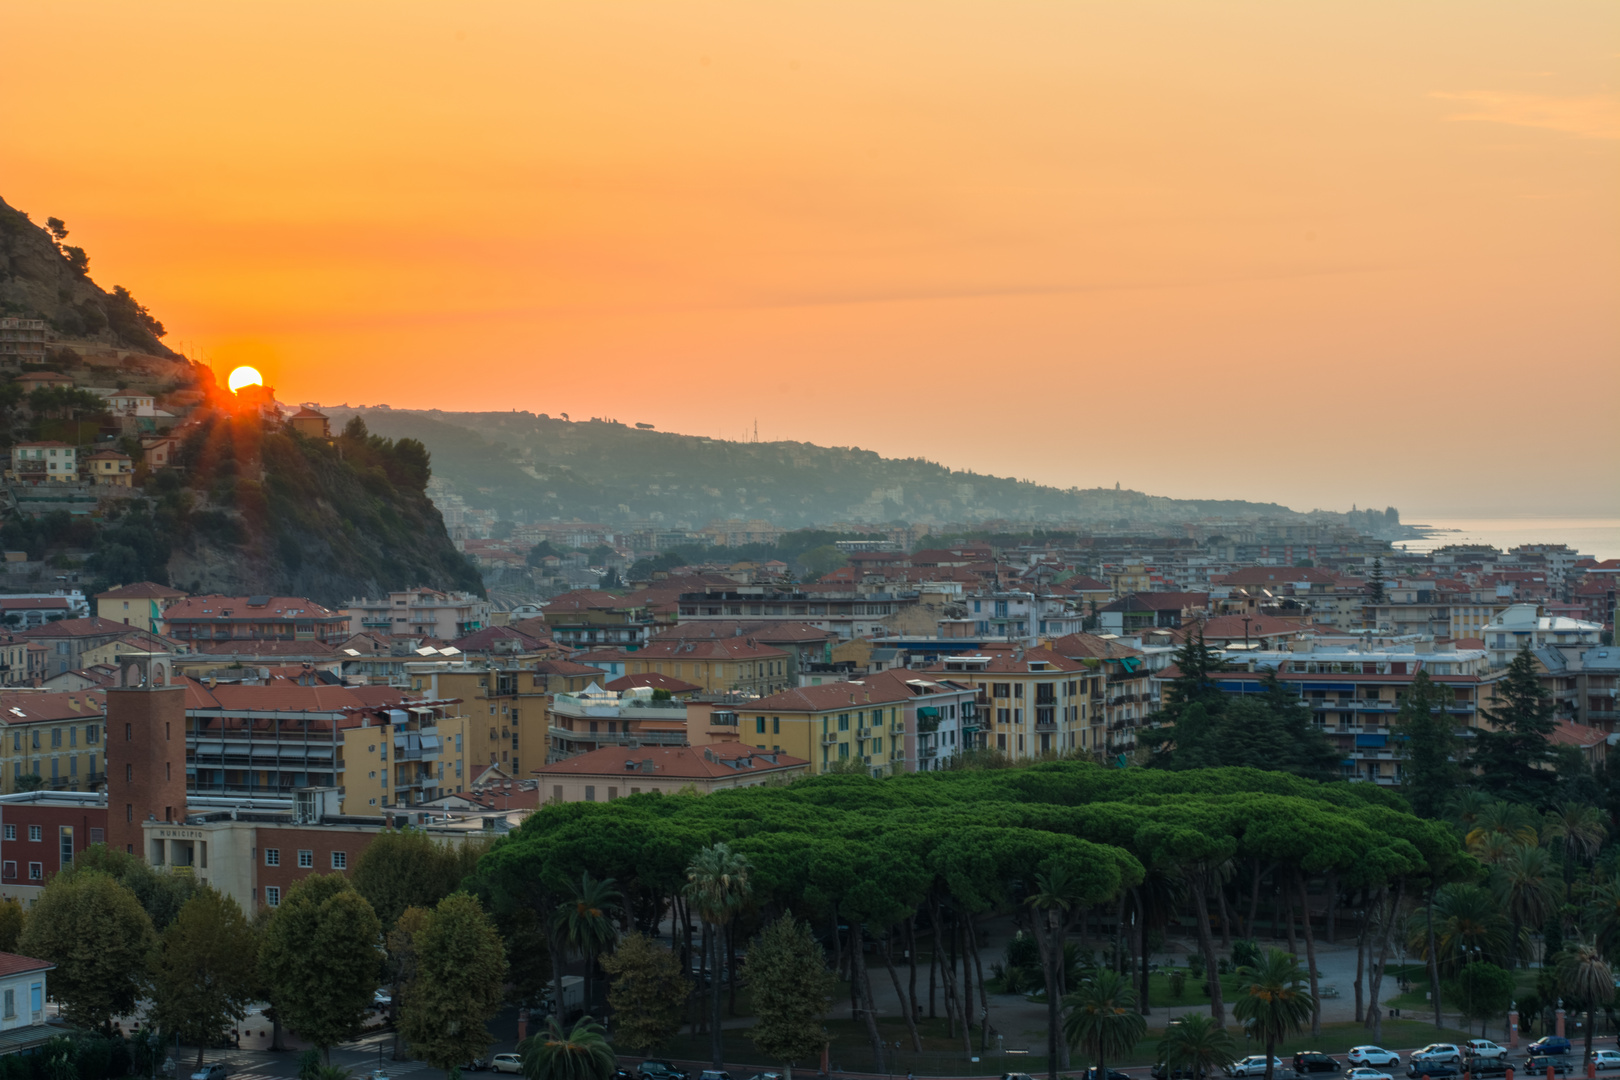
{"x": 41, "y": 277}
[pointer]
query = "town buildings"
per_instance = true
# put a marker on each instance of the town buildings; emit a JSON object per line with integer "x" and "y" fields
{"x": 44, "y": 462}
{"x": 608, "y": 774}
{"x": 422, "y": 613}
{"x": 52, "y": 740}
{"x": 233, "y": 619}
{"x": 140, "y": 605}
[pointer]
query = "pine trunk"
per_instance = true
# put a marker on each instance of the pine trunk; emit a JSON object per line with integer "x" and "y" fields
{"x": 1217, "y": 1004}
{"x": 857, "y": 963}
{"x": 1310, "y": 957}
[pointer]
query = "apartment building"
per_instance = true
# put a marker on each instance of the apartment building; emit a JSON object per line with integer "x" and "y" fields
{"x": 589, "y": 618}
{"x": 1118, "y": 690}
{"x": 596, "y": 719}
{"x": 44, "y": 462}
{"x": 805, "y": 644}
{"x": 1013, "y": 616}
{"x": 1147, "y": 610}
{"x": 730, "y": 665}
{"x": 423, "y": 613}
{"x": 140, "y": 604}
{"x": 68, "y": 641}
{"x": 22, "y": 341}
{"x": 849, "y": 611}
{"x": 610, "y": 773}
{"x": 505, "y": 701}
{"x": 380, "y": 748}
{"x": 1354, "y": 691}
{"x": 56, "y": 737}
{"x": 1030, "y": 701}
{"x": 1528, "y": 625}
{"x": 226, "y": 619}
{"x": 835, "y": 724}
{"x": 43, "y": 833}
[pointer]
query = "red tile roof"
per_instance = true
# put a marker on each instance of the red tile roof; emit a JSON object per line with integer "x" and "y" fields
{"x": 214, "y": 606}
{"x": 1090, "y": 646}
{"x": 830, "y": 696}
{"x": 734, "y": 648}
{"x": 772, "y": 633}
{"x": 1005, "y": 659}
{"x": 95, "y": 626}
{"x": 566, "y": 668}
{"x": 32, "y": 707}
{"x": 13, "y": 964}
{"x": 652, "y": 679}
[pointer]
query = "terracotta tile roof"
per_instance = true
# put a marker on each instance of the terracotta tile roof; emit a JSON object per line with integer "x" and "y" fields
{"x": 286, "y": 697}
{"x": 1090, "y": 646}
{"x": 13, "y": 964}
{"x": 1568, "y": 734}
{"x": 734, "y": 648}
{"x": 1082, "y": 583}
{"x": 379, "y": 696}
{"x": 772, "y": 633}
{"x": 1277, "y": 575}
{"x": 675, "y": 762}
{"x": 214, "y": 607}
{"x": 831, "y": 696}
{"x": 485, "y": 639}
{"x": 652, "y": 679}
{"x": 586, "y": 600}
{"x": 1231, "y": 626}
{"x": 142, "y": 590}
{"x": 246, "y": 648}
{"x": 33, "y": 603}
{"x": 95, "y": 626}
{"x": 1159, "y": 601}
{"x": 32, "y": 707}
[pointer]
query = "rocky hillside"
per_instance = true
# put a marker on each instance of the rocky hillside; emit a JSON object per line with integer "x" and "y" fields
{"x": 43, "y": 277}
{"x": 247, "y": 506}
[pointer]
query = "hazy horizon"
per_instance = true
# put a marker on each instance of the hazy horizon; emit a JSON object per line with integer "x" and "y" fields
{"x": 1317, "y": 255}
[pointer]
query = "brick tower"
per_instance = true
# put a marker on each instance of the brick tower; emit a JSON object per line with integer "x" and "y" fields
{"x": 146, "y": 750}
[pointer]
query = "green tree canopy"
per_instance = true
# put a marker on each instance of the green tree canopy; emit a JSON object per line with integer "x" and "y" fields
{"x": 322, "y": 959}
{"x": 408, "y": 868}
{"x": 791, "y": 986}
{"x": 95, "y": 932}
{"x": 460, "y": 971}
{"x": 1512, "y": 755}
{"x": 648, "y": 994}
{"x": 204, "y": 969}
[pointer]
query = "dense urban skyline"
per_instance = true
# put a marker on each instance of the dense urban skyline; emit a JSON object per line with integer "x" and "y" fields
{"x": 1291, "y": 232}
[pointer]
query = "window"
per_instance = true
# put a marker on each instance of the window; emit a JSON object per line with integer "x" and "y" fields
{"x": 759, "y": 726}
{"x": 11, "y": 1004}
{"x": 306, "y": 859}
{"x": 8, "y": 870}
{"x": 36, "y": 871}
{"x": 340, "y": 860}
{"x": 1001, "y": 690}
{"x": 1018, "y": 690}
{"x": 776, "y": 725}
{"x": 11, "y": 832}
{"x": 843, "y": 721}
{"x": 590, "y": 792}
{"x": 98, "y": 836}
{"x": 35, "y": 832}
{"x": 272, "y": 856}
{"x": 65, "y": 845}
{"x": 272, "y": 896}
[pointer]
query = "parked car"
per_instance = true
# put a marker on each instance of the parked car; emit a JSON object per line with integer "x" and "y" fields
{"x": 216, "y": 1071}
{"x": 714, "y": 1074}
{"x": 1548, "y": 1046}
{"x": 1016, "y": 1076}
{"x": 1434, "y": 1070}
{"x": 622, "y": 1073}
{"x": 766, "y": 1076}
{"x": 1484, "y": 1049}
{"x": 658, "y": 1069}
{"x": 1254, "y": 1065}
{"x": 506, "y": 1063}
{"x": 1091, "y": 1074}
{"x": 477, "y": 1064}
{"x": 1161, "y": 1071}
{"x": 1372, "y": 1055}
{"x": 1558, "y": 1063}
{"x": 1309, "y": 1061}
{"x": 1437, "y": 1054}
{"x": 1368, "y": 1074}
{"x": 1606, "y": 1059}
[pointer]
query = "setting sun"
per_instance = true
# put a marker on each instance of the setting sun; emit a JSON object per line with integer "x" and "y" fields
{"x": 245, "y": 376}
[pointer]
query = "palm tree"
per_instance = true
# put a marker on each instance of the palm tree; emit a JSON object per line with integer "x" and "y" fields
{"x": 1054, "y": 898}
{"x": 1465, "y": 809}
{"x": 1196, "y": 1044}
{"x": 1578, "y": 829}
{"x": 717, "y": 885}
{"x": 1492, "y": 848}
{"x": 1512, "y": 819}
{"x": 579, "y": 1053}
{"x": 1103, "y": 1022}
{"x": 1467, "y": 921}
{"x": 1604, "y": 914}
{"x": 1585, "y": 979}
{"x": 1274, "y": 1002}
{"x": 586, "y": 926}
{"x": 1524, "y": 881}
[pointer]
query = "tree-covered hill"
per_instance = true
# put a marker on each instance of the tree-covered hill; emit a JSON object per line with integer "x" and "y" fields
{"x": 601, "y": 470}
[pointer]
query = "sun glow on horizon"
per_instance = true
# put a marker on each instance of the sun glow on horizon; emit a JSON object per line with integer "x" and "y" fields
{"x": 245, "y": 376}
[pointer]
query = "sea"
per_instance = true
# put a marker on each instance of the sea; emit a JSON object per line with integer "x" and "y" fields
{"x": 1597, "y": 537}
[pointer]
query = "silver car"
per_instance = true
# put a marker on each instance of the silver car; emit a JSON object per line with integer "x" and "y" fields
{"x": 1255, "y": 1065}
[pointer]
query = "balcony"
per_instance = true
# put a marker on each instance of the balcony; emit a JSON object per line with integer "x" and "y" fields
{"x": 927, "y": 751}
{"x": 829, "y": 739}
{"x": 1046, "y": 725}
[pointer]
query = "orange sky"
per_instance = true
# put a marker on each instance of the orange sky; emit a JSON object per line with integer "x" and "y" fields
{"x": 1323, "y": 253}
